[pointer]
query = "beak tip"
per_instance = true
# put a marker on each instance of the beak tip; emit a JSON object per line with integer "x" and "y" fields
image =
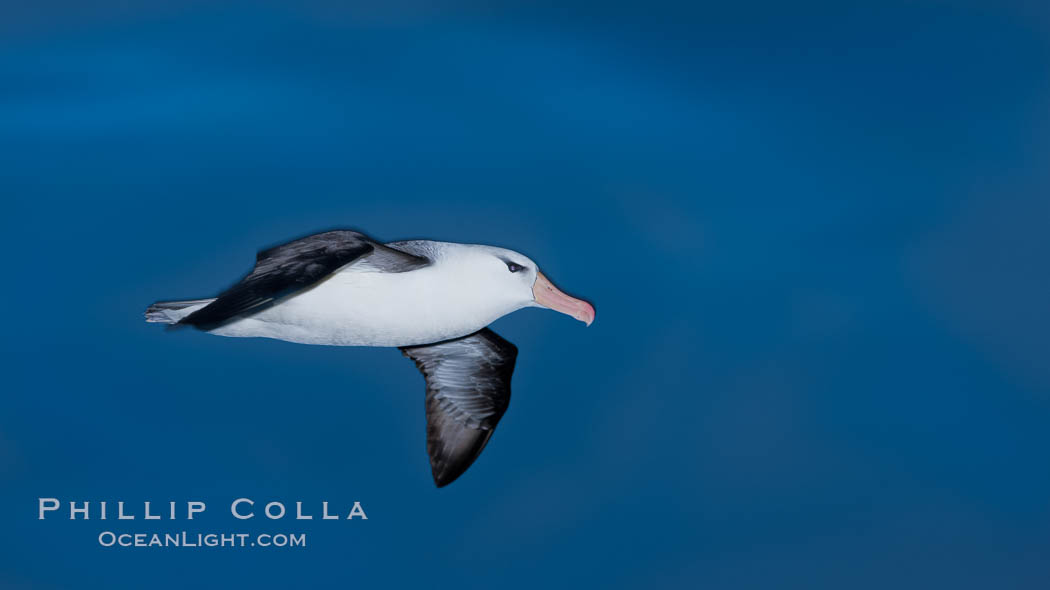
{"x": 588, "y": 315}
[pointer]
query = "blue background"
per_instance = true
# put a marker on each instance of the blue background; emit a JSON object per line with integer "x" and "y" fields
{"x": 816, "y": 237}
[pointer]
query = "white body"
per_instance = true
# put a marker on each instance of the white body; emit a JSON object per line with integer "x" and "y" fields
{"x": 466, "y": 288}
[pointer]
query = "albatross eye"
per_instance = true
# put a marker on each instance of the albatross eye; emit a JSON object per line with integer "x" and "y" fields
{"x": 514, "y": 267}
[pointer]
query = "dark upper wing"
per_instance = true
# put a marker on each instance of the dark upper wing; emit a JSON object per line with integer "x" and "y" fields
{"x": 285, "y": 269}
{"x": 468, "y": 389}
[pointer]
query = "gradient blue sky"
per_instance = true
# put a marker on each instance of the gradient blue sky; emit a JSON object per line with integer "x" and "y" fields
{"x": 816, "y": 237}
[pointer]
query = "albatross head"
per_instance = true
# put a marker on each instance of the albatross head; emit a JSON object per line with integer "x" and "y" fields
{"x": 516, "y": 281}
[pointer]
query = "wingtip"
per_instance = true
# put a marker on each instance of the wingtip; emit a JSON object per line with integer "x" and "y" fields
{"x": 443, "y": 477}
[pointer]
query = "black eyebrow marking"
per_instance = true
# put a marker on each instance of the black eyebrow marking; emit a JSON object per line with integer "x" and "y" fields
{"x": 510, "y": 262}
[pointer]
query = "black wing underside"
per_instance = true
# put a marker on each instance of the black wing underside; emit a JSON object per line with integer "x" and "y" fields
{"x": 300, "y": 264}
{"x": 468, "y": 390}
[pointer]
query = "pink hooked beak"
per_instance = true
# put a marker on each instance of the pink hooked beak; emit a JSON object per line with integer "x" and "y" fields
{"x": 547, "y": 295}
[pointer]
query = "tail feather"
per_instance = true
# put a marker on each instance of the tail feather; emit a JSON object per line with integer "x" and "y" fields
{"x": 170, "y": 312}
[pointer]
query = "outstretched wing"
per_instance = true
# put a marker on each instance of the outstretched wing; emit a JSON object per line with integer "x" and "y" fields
{"x": 297, "y": 265}
{"x": 468, "y": 390}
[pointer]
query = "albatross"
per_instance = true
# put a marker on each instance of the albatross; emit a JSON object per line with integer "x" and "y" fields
{"x": 433, "y": 300}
